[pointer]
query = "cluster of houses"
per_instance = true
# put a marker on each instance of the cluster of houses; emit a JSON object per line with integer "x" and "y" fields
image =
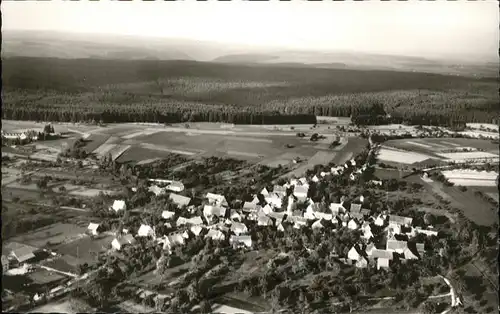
{"x": 33, "y": 135}
{"x": 266, "y": 209}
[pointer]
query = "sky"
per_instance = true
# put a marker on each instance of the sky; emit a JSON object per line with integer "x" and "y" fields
{"x": 441, "y": 29}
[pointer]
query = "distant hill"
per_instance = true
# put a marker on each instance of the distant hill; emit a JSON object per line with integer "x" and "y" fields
{"x": 50, "y": 44}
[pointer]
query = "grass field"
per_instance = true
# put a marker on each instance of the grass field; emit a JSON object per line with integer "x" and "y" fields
{"x": 401, "y": 157}
{"x": 434, "y": 146}
{"x": 57, "y": 233}
{"x": 85, "y": 249}
{"x": 471, "y": 178}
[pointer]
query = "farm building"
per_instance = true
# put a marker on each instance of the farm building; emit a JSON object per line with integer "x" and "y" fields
{"x": 23, "y": 254}
{"x": 400, "y": 220}
{"x": 213, "y": 211}
{"x": 118, "y": 243}
{"x": 167, "y": 214}
{"x": 175, "y": 186}
{"x": 145, "y": 231}
{"x": 215, "y": 235}
{"x": 242, "y": 240}
{"x": 382, "y": 263}
{"x": 118, "y": 205}
{"x": 179, "y": 200}
{"x": 300, "y": 192}
{"x": 94, "y": 228}
{"x": 216, "y": 199}
{"x": 396, "y": 246}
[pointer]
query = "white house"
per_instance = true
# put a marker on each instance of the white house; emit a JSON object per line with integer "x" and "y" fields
{"x": 145, "y": 231}
{"x": 317, "y": 225}
{"x": 213, "y": 211}
{"x": 300, "y": 191}
{"x": 337, "y": 208}
{"x": 396, "y": 246}
{"x": 315, "y": 179}
{"x": 280, "y": 190}
{"x": 324, "y": 174}
{"x": 267, "y": 209}
{"x": 217, "y": 199}
{"x": 408, "y": 254}
{"x": 299, "y": 222}
{"x": 353, "y": 162}
{"x": 376, "y": 182}
{"x": 352, "y": 224}
{"x": 303, "y": 182}
{"x": 196, "y": 230}
{"x": 215, "y": 235}
{"x": 280, "y": 228}
{"x": 264, "y": 221}
{"x": 380, "y": 220}
{"x": 118, "y": 205}
{"x": 239, "y": 228}
{"x": 156, "y": 190}
{"x": 179, "y": 200}
{"x": 353, "y": 253}
{"x": 235, "y": 215}
{"x": 400, "y": 220}
{"x": 324, "y": 216}
{"x": 367, "y": 232}
{"x": 93, "y": 228}
{"x": 118, "y": 243}
{"x": 274, "y": 200}
{"x": 426, "y": 232}
{"x": 175, "y": 186}
{"x": 369, "y": 249}
{"x": 361, "y": 262}
{"x": 264, "y": 192}
{"x": 382, "y": 263}
{"x": 245, "y": 240}
{"x": 250, "y": 206}
{"x": 167, "y": 214}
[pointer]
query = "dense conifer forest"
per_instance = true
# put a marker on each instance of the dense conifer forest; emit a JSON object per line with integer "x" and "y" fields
{"x": 187, "y": 91}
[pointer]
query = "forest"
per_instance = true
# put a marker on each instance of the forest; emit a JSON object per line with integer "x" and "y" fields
{"x": 46, "y": 89}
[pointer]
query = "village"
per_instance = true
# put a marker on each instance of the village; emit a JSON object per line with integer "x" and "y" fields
{"x": 145, "y": 239}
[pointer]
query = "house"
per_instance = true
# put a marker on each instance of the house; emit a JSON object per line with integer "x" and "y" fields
{"x": 118, "y": 205}
{"x": 255, "y": 200}
{"x": 23, "y": 253}
{"x": 156, "y": 190}
{"x": 408, "y": 254}
{"x": 309, "y": 214}
{"x": 317, "y": 225}
{"x": 235, "y": 215}
{"x": 369, "y": 249}
{"x": 382, "y": 263}
{"x": 239, "y": 228}
{"x": 376, "y": 253}
{"x": 118, "y": 243}
{"x": 300, "y": 191}
{"x": 426, "y": 232}
{"x": 353, "y": 162}
{"x": 216, "y": 199}
{"x": 264, "y": 221}
{"x": 324, "y": 174}
{"x": 367, "y": 231}
{"x": 267, "y": 209}
{"x": 376, "y": 182}
{"x": 213, "y": 211}
{"x": 215, "y": 235}
{"x": 175, "y": 186}
{"x": 324, "y": 216}
{"x": 5, "y": 264}
{"x": 420, "y": 248}
{"x": 354, "y": 253}
{"x": 245, "y": 240}
{"x": 264, "y": 192}
{"x": 353, "y": 224}
{"x": 337, "y": 208}
{"x": 291, "y": 204}
{"x": 393, "y": 230}
{"x": 179, "y": 200}
{"x": 195, "y": 221}
{"x": 303, "y": 182}
{"x": 274, "y": 200}
{"x": 400, "y": 220}
{"x": 250, "y": 206}
{"x": 277, "y": 216}
{"x": 380, "y": 220}
{"x": 196, "y": 230}
{"x": 93, "y": 228}
{"x": 355, "y": 208}
{"x": 145, "y": 231}
{"x": 167, "y": 214}
{"x": 315, "y": 179}
{"x": 396, "y": 246}
{"x": 280, "y": 228}
{"x": 280, "y": 190}
{"x": 299, "y": 222}
{"x": 352, "y": 177}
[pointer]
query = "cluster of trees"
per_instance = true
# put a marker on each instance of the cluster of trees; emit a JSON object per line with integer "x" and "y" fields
{"x": 77, "y": 151}
{"x": 55, "y": 90}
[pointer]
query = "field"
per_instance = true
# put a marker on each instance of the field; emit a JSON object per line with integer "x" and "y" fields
{"x": 471, "y": 178}
{"x": 70, "y": 306}
{"x": 56, "y": 234}
{"x": 410, "y": 151}
{"x": 85, "y": 248}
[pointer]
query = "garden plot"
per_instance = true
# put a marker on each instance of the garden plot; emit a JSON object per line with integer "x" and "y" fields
{"x": 471, "y": 178}
{"x": 402, "y": 157}
{"x": 86, "y": 248}
{"x": 167, "y": 149}
{"x": 78, "y": 190}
